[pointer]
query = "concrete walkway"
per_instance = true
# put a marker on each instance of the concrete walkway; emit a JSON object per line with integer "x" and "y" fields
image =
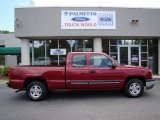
{"x": 156, "y": 76}
{"x": 3, "y": 81}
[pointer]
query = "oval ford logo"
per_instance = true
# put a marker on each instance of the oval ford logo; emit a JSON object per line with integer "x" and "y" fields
{"x": 80, "y": 19}
{"x": 105, "y": 19}
{"x": 58, "y": 51}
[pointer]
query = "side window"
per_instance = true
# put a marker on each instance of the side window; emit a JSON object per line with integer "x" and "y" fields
{"x": 79, "y": 60}
{"x": 97, "y": 60}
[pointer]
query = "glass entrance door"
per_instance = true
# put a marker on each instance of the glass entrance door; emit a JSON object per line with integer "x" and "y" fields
{"x": 134, "y": 60}
{"x": 123, "y": 53}
{"x": 129, "y": 55}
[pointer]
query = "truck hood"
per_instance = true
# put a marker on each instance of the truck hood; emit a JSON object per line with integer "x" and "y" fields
{"x": 136, "y": 67}
{"x": 136, "y": 70}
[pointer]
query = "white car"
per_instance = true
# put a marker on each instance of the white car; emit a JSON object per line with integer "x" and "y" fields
{"x": 42, "y": 61}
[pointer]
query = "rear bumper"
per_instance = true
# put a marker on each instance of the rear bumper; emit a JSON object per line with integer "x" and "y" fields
{"x": 15, "y": 84}
{"x": 150, "y": 83}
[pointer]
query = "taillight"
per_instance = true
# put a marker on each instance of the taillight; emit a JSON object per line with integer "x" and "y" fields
{"x": 9, "y": 73}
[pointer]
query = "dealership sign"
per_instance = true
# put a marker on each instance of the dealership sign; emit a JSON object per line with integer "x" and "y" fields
{"x": 57, "y": 51}
{"x": 88, "y": 19}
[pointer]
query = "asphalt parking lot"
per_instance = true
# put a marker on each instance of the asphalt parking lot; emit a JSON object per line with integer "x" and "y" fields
{"x": 102, "y": 105}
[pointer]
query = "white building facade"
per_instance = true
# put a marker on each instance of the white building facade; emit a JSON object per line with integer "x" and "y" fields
{"x": 130, "y": 35}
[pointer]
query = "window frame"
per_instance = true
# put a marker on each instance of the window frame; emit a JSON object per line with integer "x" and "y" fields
{"x": 100, "y": 66}
{"x": 85, "y": 56}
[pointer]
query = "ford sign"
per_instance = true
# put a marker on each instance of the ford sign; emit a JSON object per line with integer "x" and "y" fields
{"x": 105, "y": 19}
{"x": 80, "y": 19}
{"x": 57, "y": 51}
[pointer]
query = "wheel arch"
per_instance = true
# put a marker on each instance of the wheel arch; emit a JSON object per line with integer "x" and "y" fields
{"x": 34, "y": 79}
{"x": 135, "y": 77}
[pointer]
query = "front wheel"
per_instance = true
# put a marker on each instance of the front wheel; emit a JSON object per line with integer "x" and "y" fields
{"x": 36, "y": 91}
{"x": 134, "y": 88}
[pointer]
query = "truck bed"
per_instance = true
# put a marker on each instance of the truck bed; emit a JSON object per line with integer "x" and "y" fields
{"x": 55, "y": 76}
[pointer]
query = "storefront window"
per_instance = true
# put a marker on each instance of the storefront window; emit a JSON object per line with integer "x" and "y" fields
{"x": 105, "y": 45}
{"x": 113, "y": 49}
{"x": 57, "y": 51}
{"x": 144, "y": 56}
{"x": 136, "y": 42}
{"x": 113, "y": 42}
{"x": 88, "y": 45}
{"x": 147, "y": 50}
{"x": 153, "y": 55}
{"x": 114, "y": 56}
{"x": 85, "y": 45}
{"x": 144, "y": 49}
{"x": 144, "y": 42}
{"x": 54, "y": 52}
{"x": 39, "y": 52}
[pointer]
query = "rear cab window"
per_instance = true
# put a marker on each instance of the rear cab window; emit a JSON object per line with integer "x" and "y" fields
{"x": 79, "y": 60}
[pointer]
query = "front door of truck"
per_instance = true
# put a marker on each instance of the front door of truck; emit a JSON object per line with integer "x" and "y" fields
{"x": 77, "y": 72}
{"x": 101, "y": 73}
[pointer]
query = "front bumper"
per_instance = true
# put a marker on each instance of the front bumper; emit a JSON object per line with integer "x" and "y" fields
{"x": 150, "y": 84}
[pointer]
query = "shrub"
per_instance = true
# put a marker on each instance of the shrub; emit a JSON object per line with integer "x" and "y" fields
{"x": 1, "y": 71}
{"x": 5, "y": 70}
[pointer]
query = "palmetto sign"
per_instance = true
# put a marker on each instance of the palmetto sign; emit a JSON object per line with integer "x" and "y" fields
{"x": 88, "y": 19}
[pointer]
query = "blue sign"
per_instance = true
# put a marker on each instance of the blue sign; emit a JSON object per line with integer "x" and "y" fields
{"x": 80, "y": 19}
{"x": 57, "y": 51}
{"x": 107, "y": 19}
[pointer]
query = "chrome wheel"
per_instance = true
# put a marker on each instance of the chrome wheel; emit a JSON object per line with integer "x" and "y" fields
{"x": 35, "y": 91}
{"x": 135, "y": 88}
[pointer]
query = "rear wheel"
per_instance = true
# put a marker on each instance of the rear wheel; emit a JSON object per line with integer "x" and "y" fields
{"x": 134, "y": 88}
{"x": 36, "y": 91}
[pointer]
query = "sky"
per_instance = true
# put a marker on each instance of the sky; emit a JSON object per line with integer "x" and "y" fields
{"x": 7, "y": 6}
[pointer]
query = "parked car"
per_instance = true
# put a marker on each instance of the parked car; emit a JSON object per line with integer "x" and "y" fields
{"x": 42, "y": 61}
{"x": 83, "y": 71}
{"x": 62, "y": 61}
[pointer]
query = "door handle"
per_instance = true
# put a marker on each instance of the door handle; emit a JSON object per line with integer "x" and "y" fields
{"x": 92, "y": 71}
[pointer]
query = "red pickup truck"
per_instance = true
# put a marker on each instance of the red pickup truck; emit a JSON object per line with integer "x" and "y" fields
{"x": 83, "y": 71}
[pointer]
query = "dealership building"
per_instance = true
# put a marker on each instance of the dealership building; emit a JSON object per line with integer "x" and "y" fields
{"x": 10, "y": 50}
{"x": 130, "y": 35}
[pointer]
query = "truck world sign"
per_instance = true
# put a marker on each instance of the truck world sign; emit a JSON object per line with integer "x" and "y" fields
{"x": 88, "y": 19}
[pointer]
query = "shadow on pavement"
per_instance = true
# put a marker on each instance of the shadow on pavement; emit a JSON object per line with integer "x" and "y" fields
{"x": 80, "y": 95}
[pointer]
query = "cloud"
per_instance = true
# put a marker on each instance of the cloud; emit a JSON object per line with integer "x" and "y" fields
{"x": 99, "y": 3}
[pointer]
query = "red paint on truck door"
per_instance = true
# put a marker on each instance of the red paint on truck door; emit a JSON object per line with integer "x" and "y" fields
{"x": 101, "y": 73}
{"x": 77, "y": 72}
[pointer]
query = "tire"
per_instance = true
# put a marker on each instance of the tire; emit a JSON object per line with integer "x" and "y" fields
{"x": 134, "y": 88}
{"x": 36, "y": 91}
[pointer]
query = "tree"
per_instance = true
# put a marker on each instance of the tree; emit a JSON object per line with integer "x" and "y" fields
{"x": 5, "y": 32}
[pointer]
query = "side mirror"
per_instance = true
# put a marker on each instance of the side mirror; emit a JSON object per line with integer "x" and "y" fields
{"x": 113, "y": 65}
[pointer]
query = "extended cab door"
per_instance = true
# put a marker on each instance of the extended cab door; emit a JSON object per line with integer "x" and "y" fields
{"x": 77, "y": 71}
{"x": 101, "y": 73}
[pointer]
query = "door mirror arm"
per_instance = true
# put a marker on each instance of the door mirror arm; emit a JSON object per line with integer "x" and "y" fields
{"x": 113, "y": 65}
